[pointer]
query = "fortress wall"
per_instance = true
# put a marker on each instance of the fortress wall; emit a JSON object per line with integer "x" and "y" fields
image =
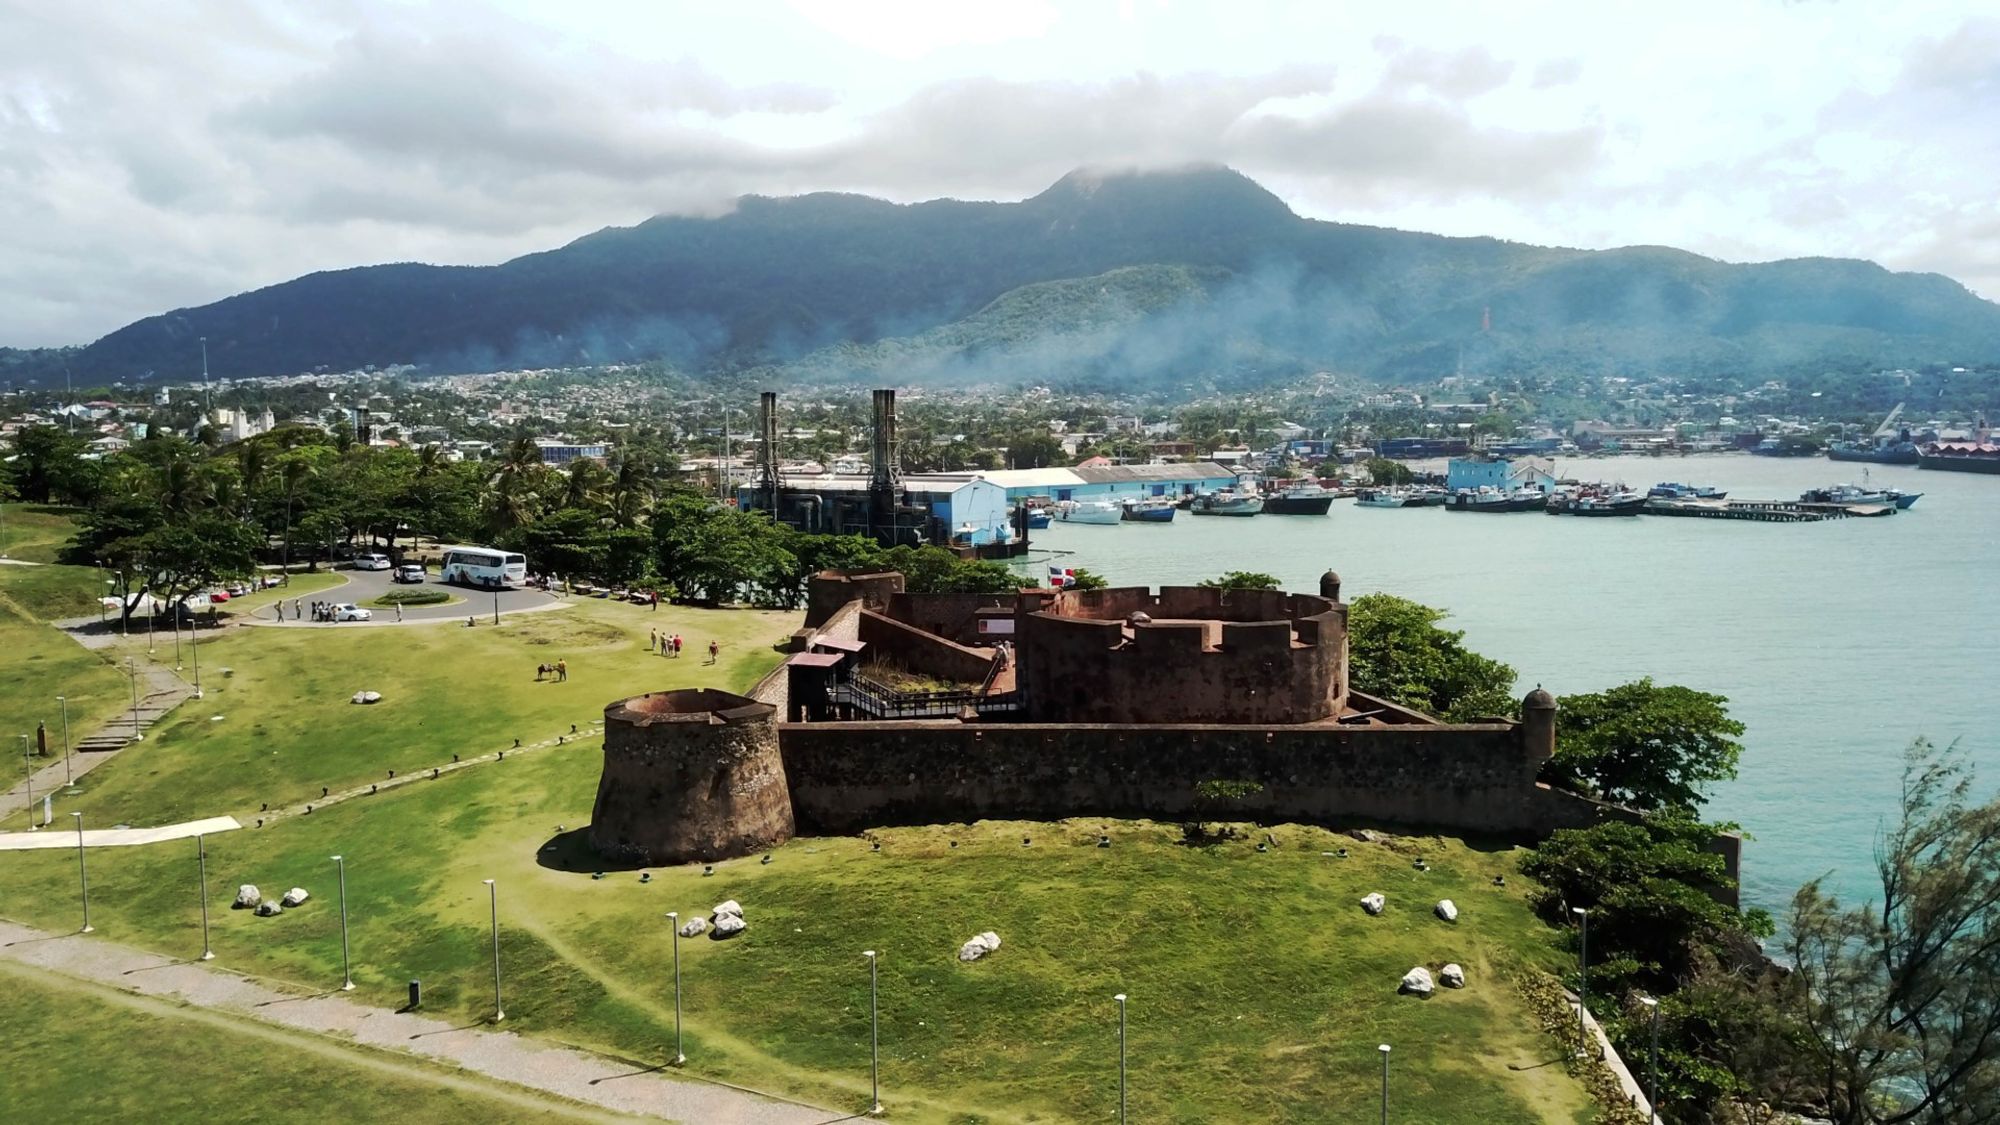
{"x": 1472, "y": 779}
{"x": 829, "y": 590}
{"x": 917, "y": 651}
{"x": 1080, "y": 670}
{"x": 951, "y": 616}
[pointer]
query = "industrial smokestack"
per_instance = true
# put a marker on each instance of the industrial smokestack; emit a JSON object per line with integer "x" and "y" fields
{"x": 767, "y": 453}
{"x": 885, "y": 473}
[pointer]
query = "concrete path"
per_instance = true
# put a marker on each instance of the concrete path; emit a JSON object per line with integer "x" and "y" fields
{"x": 64, "y": 835}
{"x": 502, "y": 1056}
{"x": 161, "y": 690}
{"x": 364, "y": 586}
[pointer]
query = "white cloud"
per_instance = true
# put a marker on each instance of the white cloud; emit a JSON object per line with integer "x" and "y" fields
{"x": 209, "y": 146}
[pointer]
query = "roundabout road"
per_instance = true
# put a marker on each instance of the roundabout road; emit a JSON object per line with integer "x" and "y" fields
{"x": 364, "y": 586}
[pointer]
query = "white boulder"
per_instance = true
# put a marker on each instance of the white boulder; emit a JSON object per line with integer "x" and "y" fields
{"x": 730, "y": 907}
{"x": 1452, "y": 976}
{"x": 267, "y": 908}
{"x": 1446, "y": 910}
{"x": 694, "y": 927}
{"x": 1417, "y": 982}
{"x": 247, "y": 896}
{"x": 294, "y": 897}
{"x": 728, "y": 925}
{"x": 979, "y": 946}
{"x": 366, "y": 697}
{"x": 1373, "y": 903}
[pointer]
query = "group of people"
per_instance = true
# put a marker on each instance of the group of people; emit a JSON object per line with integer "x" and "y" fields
{"x": 321, "y": 611}
{"x": 669, "y": 644}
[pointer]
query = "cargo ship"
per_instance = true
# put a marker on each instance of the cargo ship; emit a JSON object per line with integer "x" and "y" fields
{"x": 1889, "y": 453}
{"x": 1960, "y": 457}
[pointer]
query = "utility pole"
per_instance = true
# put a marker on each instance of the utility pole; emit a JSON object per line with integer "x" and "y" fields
{"x": 207, "y": 403}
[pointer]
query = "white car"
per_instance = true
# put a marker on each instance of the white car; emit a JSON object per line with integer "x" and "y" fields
{"x": 348, "y": 611}
{"x": 408, "y": 573}
{"x": 371, "y": 562}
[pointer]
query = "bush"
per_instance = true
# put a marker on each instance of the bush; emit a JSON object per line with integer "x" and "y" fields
{"x": 419, "y": 596}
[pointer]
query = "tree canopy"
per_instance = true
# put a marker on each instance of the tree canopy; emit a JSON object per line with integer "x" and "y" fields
{"x": 1397, "y": 652}
{"x": 1646, "y": 745}
{"x": 1241, "y": 580}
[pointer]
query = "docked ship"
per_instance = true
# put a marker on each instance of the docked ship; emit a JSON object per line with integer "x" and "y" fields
{"x": 1979, "y": 456}
{"x": 1888, "y": 453}
{"x": 1851, "y": 494}
{"x": 1153, "y": 510}
{"x": 1382, "y": 498}
{"x": 1088, "y": 511}
{"x": 1486, "y": 499}
{"x": 1307, "y": 499}
{"x": 1673, "y": 490}
{"x": 1226, "y": 504}
{"x": 1596, "y": 502}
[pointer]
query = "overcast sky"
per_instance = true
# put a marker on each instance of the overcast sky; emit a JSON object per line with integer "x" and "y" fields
{"x": 174, "y": 153}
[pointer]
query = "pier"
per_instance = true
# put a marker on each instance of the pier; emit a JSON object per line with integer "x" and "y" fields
{"x": 1763, "y": 511}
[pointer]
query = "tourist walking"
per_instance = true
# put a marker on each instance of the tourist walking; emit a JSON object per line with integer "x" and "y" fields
{"x": 652, "y": 640}
{"x": 677, "y": 644}
{"x": 714, "y": 651}
{"x": 562, "y": 671}
{"x": 399, "y": 611}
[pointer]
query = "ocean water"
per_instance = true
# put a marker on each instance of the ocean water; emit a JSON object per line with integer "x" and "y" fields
{"x": 1837, "y": 642}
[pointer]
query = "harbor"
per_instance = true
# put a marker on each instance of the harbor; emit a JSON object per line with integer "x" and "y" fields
{"x": 1783, "y": 621}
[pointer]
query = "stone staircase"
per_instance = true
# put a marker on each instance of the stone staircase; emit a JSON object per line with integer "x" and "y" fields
{"x": 162, "y": 696}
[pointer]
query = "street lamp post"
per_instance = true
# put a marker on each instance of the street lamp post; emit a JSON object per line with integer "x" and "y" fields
{"x": 674, "y": 919}
{"x": 493, "y": 898}
{"x": 194, "y": 651}
{"x": 1121, "y": 1057}
{"x": 1384, "y": 1048}
{"x": 177, "y": 638}
{"x": 496, "y": 605}
{"x": 201, "y": 858}
{"x": 874, "y": 1035}
{"x": 132, "y": 675}
{"x": 1653, "y": 1063}
{"x": 83, "y": 876}
{"x": 346, "y": 965}
{"x": 29, "y": 765}
{"x": 1582, "y": 975}
{"x": 69, "y": 779}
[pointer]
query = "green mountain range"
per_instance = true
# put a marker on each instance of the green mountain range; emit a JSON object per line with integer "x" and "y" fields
{"x": 1131, "y": 275}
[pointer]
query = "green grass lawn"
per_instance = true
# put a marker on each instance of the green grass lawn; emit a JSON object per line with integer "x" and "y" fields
{"x": 287, "y": 728}
{"x": 1259, "y": 988}
{"x": 35, "y": 531}
{"x": 74, "y": 1051}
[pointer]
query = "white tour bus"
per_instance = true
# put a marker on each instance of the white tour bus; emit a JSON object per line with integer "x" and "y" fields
{"x": 484, "y": 567}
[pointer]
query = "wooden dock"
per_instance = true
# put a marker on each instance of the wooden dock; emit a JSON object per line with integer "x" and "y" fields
{"x": 1763, "y": 511}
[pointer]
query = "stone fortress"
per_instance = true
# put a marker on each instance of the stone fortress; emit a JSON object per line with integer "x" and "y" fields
{"x": 899, "y": 708}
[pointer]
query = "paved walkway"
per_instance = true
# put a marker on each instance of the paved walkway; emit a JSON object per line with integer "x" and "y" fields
{"x": 64, "y": 835}
{"x": 564, "y": 1071}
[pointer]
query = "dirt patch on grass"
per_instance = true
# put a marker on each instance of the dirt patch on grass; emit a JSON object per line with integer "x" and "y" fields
{"x": 565, "y": 630}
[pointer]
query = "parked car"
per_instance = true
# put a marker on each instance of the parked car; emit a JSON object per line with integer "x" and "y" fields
{"x": 348, "y": 611}
{"x": 371, "y": 562}
{"x": 408, "y": 572}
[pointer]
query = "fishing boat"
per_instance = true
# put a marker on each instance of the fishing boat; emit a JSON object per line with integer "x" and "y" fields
{"x": 1088, "y": 511}
{"x": 1427, "y": 496}
{"x": 1307, "y": 499}
{"x": 1673, "y": 490}
{"x": 1226, "y": 504}
{"x": 1039, "y": 518}
{"x": 1153, "y": 510}
{"x": 1382, "y": 498}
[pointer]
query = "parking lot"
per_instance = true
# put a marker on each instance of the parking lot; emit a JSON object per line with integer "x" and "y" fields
{"x": 364, "y": 586}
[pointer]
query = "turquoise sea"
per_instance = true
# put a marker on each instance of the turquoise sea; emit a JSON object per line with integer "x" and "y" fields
{"x": 1836, "y": 642}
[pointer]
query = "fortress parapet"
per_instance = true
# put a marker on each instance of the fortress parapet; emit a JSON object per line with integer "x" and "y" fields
{"x": 1187, "y": 654}
{"x": 690, "y": 775}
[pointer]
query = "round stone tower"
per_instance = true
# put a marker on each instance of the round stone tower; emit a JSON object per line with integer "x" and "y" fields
{"x": 1538, "y": 725}
{"x": 690, "y": 775}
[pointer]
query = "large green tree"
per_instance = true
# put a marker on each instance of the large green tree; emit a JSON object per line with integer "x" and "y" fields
{"x": 47, "y": 467}
{"x": 1397, "y": 651}
{"x": 1241, "y": 580}
{"x": 1645, "y": 745}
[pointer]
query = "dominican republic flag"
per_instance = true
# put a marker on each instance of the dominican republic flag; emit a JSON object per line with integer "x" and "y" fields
{"x": 1060, "y": 576}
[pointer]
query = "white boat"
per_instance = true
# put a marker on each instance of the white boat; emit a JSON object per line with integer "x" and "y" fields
{"x": 1226, "y": 504}
{"x": 1088, "y": 511}
{"x": 1381, "y": 498}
